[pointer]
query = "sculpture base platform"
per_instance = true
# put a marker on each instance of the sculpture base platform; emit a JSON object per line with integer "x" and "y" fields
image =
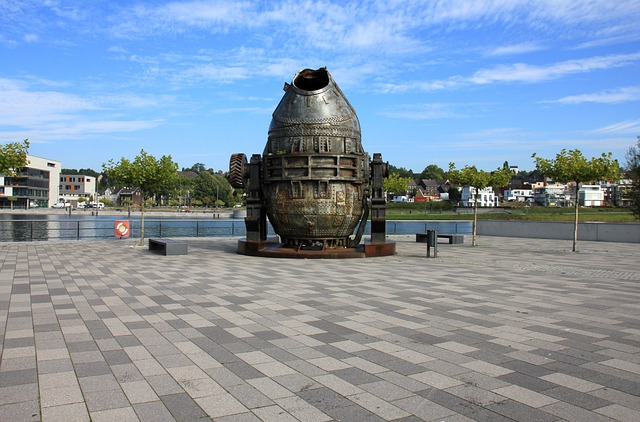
{"x": 273, "y": 249}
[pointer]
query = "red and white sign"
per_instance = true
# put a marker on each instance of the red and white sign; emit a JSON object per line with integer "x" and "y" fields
{"x": 121, "y": 229}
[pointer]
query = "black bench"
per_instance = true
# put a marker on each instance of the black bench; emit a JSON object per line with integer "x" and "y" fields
{"x": 168, "y": 246}
{"x": 453, "y": 238}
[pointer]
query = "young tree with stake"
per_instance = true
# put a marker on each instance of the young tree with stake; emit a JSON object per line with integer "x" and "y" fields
{"x": 572, "y": 166}
{"x": 478, "y": 180}
{"x": 151, "y": 175}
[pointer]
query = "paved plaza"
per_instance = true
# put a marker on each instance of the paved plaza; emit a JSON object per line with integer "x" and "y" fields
{"x": 510, "y": 330}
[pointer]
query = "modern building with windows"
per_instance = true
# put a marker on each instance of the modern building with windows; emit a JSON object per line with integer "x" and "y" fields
{"x": 36, "y": 185}
{"x": 485, "y": 197}
{"x": 76, "y": 186}
{"x": 518, "y": 195}
{"x": 554, "y": 195}
{"x": 591, "y": 196}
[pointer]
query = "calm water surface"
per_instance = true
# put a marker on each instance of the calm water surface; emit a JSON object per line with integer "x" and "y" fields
{"x": 21, "y": 227}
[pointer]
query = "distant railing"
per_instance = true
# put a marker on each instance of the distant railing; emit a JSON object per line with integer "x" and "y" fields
{"x": 52, "y": 229}
{"x": 30, "y": 230}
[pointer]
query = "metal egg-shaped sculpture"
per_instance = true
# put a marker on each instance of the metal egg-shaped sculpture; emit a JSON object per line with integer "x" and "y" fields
{"x": 313, "y": 182}
{"x": 315, "y": 170}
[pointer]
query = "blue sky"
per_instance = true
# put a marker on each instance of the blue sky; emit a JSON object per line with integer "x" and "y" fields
{"x": 475, "y": 82}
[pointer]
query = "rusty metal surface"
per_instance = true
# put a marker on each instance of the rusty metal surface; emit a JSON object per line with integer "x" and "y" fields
{"x": 274, "y": 249}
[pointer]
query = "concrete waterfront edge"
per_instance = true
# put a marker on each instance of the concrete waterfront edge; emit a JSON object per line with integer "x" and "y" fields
{"x": 599, "y": 232}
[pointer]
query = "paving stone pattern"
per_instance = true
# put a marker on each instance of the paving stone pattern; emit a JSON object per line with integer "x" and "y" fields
{"x": 510, "y": 330}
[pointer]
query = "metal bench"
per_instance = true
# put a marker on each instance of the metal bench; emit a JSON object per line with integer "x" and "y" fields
{"x": 168, "y": 246}
{"x": 453, "y": 238}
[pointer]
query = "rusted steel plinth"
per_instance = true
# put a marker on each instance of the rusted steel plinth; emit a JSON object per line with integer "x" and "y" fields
{"x": 273, "y": 249}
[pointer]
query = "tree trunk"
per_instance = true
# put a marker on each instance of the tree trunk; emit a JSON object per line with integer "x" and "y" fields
{"x": 141, "y": 243}
{"x": 475, "y": 218}
{"x": 575, "y": 221}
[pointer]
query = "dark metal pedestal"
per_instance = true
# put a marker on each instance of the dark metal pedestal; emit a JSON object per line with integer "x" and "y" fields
{"x": 273, "y": 249}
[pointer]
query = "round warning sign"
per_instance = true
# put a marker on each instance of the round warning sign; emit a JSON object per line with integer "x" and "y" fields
{"x": 121, "y": 228}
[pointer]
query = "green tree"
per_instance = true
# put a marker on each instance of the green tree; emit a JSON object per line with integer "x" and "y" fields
{"x": 572, "y": 166}
{"x": 153, "y": 176}
{"x": 13, "y": 157}
{"x": 209, "y": 185}
{"x": 478, "y": 180}
{"x": 432, "y": 172}
{"x": 197, "y": 168}
{"x": 396, "y": 184}
{"x": 403, "y": 172}
{"x": 182, "y": 189}
{"x": 633, "y": 173}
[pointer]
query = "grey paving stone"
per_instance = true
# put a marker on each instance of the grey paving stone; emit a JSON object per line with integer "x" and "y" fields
{"x": 18, "y": 377}
{"x": 182, "y": 407}
{"x": 18, "y": 393}
{"x": 520, "y": 412}
{"x": 154, "y": 411}
{"x": 527, "y": 381}
{"x": 356, "y": 376}
{"x": 542, "y": 325}
{"x": 105, "y": 399}
{"x": 583, "y": 400}
{"x": 21, "y": 411}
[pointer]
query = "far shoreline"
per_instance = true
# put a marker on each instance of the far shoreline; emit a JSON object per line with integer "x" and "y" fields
{"x": 150, "y": 212}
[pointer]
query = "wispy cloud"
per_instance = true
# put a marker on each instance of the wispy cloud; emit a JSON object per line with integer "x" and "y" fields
{"x": 631, "y": 127}
{"x": 428, "y": 111}
{"x": 517, "y": 73}
{"x": 514, "y": 49}
{"x": 20, "y": 106}
{"x": 522, "y": 72}
{"x": 210, "y": 72}
{"x": 613, "y": 96}
{"x": 55, "y": 114}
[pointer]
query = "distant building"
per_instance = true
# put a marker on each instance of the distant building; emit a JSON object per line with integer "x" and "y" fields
{"x": 616, "y": 194}
{"x": 76, "y": 186}
{"x": 432, "y": 190}
{"x": 518, "y": 195}
{"x": 553, "y": 195}
{"x": 485, "y": 197}
{"x": 35, "y": 186}
{"x": 131, "y": 196}
{"x": 590, "y": 196}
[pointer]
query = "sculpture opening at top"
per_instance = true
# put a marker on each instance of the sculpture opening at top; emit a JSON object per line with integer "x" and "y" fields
{"x": 312, "y": 180}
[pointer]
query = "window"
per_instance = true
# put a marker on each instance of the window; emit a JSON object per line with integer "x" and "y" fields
{"x": 51, "y": 165}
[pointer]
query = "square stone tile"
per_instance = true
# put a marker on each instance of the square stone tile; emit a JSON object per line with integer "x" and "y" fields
{"x": 76, "y": 412}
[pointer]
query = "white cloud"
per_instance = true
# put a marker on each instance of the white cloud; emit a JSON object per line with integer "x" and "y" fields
{"x": 429, "y": 111}
{"x": 631, "y": 127}
{"x": 55, "y": 114}
{"x": 211, "y": 72}
{"x": 514, "y": 49}
{"x": 518, "y": 72}
{"x": 20, "y": 106}
{"x": 522, "y": 72}
{"x": 613, "y": 96}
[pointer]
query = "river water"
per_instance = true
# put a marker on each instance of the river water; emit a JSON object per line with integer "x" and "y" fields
{"x": 28, "y": 227}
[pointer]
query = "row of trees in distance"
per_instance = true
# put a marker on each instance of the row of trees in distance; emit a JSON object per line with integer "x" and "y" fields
{"x": 160, "y": 176}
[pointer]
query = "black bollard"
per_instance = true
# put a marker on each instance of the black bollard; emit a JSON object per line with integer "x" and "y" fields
{"x": 432, "y": 242}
